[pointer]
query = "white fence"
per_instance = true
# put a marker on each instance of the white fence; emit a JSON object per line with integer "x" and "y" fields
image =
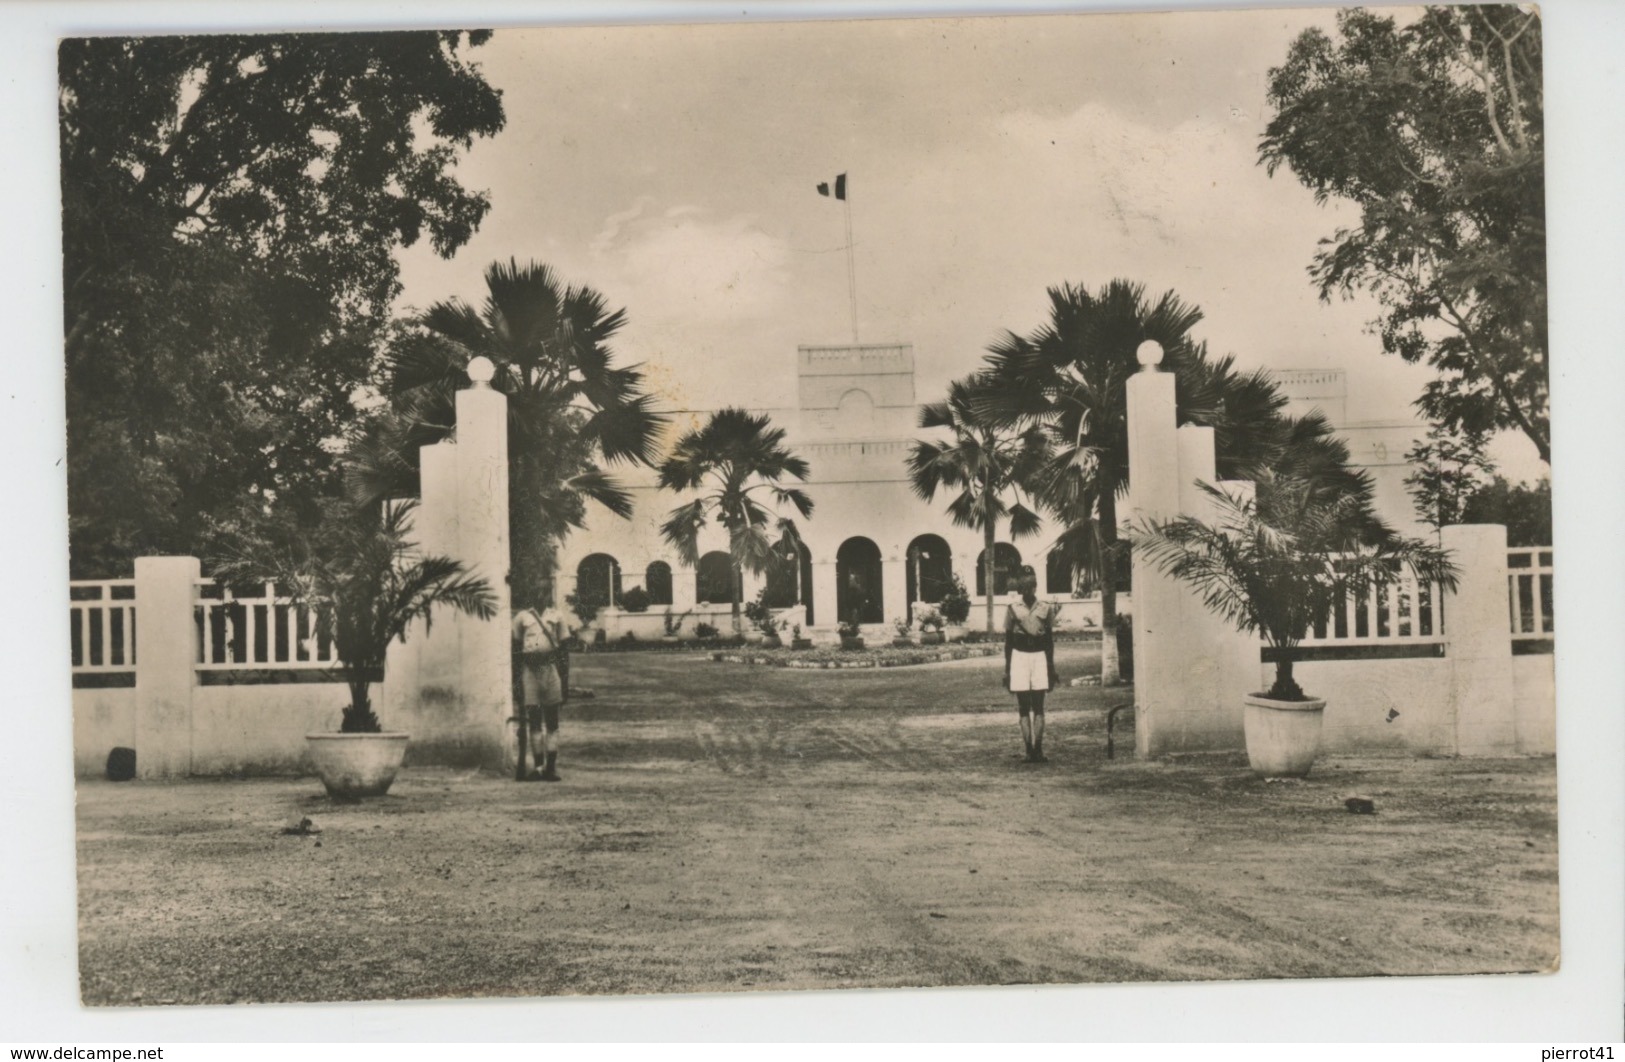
{"x": 1401, "y": 611}
{"x": 103, "y": 631}
{"x": 1529, "y": 593}
{"x": 263, "y": 630}
{"x": 239, "y": 631}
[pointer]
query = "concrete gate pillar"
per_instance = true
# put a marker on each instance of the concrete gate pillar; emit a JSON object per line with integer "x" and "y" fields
{"x": 453, "y": 688}
{"x": 1190, "y": 670}
{"x": 165, "y": 664}
{"x": 1478, "y": 640}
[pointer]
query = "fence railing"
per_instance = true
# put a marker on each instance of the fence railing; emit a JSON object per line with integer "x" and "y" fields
{"x": 1399, "y": 611}
{"x": 1529, "y": 593}
{"x": 102, "y": 634}
{"x": 257, "y": 630}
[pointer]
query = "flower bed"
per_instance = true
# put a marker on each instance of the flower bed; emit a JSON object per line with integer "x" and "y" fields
{"x": 830, "y": 658}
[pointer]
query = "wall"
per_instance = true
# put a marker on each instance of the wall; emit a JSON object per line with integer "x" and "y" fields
{"x": 1534, "y": 693}
{"x": 103, "y": 720}
{"x": 1360, "y": 694}
{"x": 261, "y": 728}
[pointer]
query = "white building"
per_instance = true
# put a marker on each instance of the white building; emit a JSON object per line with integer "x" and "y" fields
{"x": 873, "y": 546}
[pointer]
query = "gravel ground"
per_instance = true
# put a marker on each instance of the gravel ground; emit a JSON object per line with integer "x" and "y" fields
{"x": 722, "y": 827}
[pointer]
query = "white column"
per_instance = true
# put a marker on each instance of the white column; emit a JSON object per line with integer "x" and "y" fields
{"x": 894, "y": 586}
{"x": 165, "y": 664}
{"x": 824, "y": 596}
{"x": 1153, "y": 460}
{"x": 482, "y": 546}
{"x": 1479, "y": 641}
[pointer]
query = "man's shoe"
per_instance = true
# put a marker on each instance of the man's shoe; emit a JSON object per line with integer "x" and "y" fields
{"x": 550, "y": 775}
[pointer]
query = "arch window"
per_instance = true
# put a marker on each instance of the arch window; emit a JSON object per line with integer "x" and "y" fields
{"x": 1006, "y": 563}
{"x": 599, "y": 574}
{"x": 713, "y": 579}
{"x": 657, "y": 582}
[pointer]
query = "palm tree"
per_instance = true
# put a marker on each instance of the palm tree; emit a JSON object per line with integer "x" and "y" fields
{"x": 1069, "y": 379}
{"x": 732, "y": 456}
{"x": 986, "y": 464}
{"x": 365, "y": 584}
{"x": 570, "y": 407}
{"x": 1284, "y": 561}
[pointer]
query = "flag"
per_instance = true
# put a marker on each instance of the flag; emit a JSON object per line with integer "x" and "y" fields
{"x": 840, "y": 187}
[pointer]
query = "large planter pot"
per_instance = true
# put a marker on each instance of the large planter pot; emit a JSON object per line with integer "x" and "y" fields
{"x": 353, "y": 766}
{"x": 852, "y": 641}
{"x": 931, "y": 638}
{"x": 801, "y": 643}
{"x": 754, "y": 637}
{"x": 1283, "y": 737}
{"x": 956, "y": 632}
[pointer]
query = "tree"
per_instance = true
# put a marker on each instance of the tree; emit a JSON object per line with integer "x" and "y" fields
{"x": 1525, "y": 510}
{"x": 985, "y": 463}
{"x": 570, "y": 406}
{"x": 231, "y": 205}
{"x": 1068, "y": 380}
{"x": 1448, "y": 468}
{"x": 731, "y": 457}
{"x": 1435, "y": 130}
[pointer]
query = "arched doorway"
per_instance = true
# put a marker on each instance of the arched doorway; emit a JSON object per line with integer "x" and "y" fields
{"x": 930, "y": 571}
{"x": 857, "y": 581}
{"x": 789, "y": 582}
{"x": 1006, "y": 563}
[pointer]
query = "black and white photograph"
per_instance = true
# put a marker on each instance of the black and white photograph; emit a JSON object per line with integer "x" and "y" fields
{"x": 778, "y": 505}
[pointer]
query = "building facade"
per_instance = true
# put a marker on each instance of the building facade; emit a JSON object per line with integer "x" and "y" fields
{"x": 873, "y": 549}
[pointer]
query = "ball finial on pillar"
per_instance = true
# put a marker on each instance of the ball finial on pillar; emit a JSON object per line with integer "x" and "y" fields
{"x": 481, "y": 370}
{"x": 1149, "y": 354}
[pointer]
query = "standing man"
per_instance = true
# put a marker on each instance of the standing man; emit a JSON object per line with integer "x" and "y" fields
{"x": 541, "y": 642}
{"x": 1029, "y": 659}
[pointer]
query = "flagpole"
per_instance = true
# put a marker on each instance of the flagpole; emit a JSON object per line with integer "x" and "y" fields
{"x": 851, "y": 272}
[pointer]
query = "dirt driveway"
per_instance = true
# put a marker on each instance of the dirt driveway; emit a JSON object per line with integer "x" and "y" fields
{"x": 721, "y": 827}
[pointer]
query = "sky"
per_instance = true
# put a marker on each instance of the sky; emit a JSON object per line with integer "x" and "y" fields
{"x": 673, "y": 169}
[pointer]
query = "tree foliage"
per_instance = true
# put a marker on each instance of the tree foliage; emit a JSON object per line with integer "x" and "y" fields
{"x": 1524, "y": 509}
{"x": 729, "y": 460}
{"x": 1435, "y": 130}
{"x": 1069, "y": 378}
{"x": 1447, "y": 469}
{"x": 231, "y": 206}
{"x": 988, "y": 465}
{"x": 571, "y": 408}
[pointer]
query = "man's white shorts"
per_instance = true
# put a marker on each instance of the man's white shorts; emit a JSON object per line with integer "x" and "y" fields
{"x": 1028, "y": 672}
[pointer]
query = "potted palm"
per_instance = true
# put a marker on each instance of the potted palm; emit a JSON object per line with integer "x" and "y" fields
{"x": 902, "y": 626}
{"x": 1279, "y": 564}
{"x": 365, "y": 584}
{"x": 796, "y": 640}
